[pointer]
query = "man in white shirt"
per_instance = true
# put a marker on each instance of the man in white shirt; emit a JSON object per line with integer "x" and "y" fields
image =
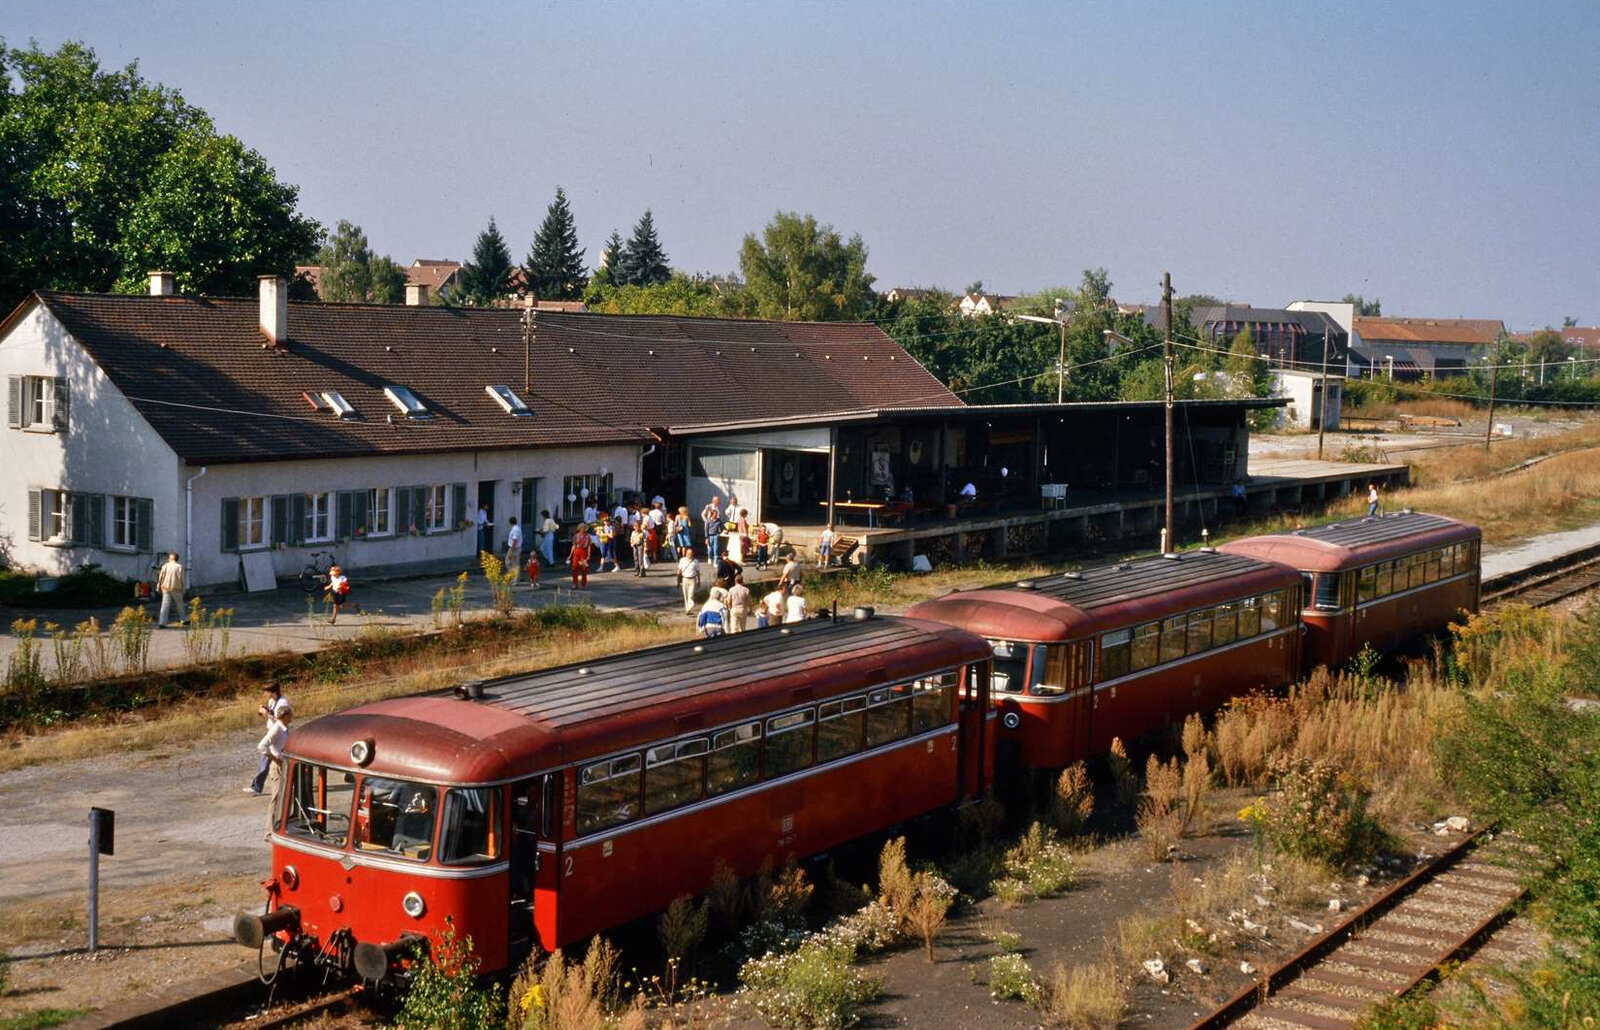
{"x": 275, "y": 708}
{"x": 969, "y": 492}
{"x": 795, "y": 609}
{"x": 732, "y": 514}
{"x": 514, "y": 550}
{"x": 590, "y": 513}
{"x": 688, "y": 578}
{"x": 738, "y": 605}
{"x": 770, "y": 612}
{"x": 171, "y": 582}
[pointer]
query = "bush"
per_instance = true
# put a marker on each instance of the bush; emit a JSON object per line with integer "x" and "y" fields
{"x": 1011, "y": 978}
{"x": 929, "y": 908}
{"x": 1160, "y": 819}
{"x": 562, "y": 995}
{"x": 1041, "y": 862}
{"x": 812, "y": 988}
{"x": 1072, "y": 802}
{"x": 444, "y": 993}
{"x": 1009, "y": 892}
{"x": 1090, "y": 997}
{"x": 1317, "y": 814}
{"x": 92, "y": 587}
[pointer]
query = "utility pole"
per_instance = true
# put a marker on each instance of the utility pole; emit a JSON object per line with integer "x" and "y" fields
{"x": 1169, "y": 535}
{"x": 1322, "y": 406}
{"x": 1061, "y": 362}
{"x": 528, "y": 330}
{"x": 1494, "y": 376}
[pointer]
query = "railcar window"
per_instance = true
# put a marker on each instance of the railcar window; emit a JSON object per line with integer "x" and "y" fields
{"x": 1367, "y": 583}
{"x": 1116, "y": 653}
{"x": 1199, "y": 631}
{"x": 1419, "y": 569}
{"x": 674, "y": 774}
{"x": 1050, "y": 672}
{"x": 789, "y": 740}
{"x": 1249, "y": 617}
{"x": 396, "y": 817}
{"x": 841, "y": 726}
{"x": 1010, "y": 667}
{"x": 1172, "y": 634}
{"x": 471, "y": 831}
{"x": 1225, "y": 624}
{"x": 1326, "y": 598}
{"x": 888, "y": 714}
{"x": 735, "y": 759}
{"x": 1146, "y": 645}
{"x": 1435, "y": 564}
{"x": 320, "y": 800}
{"x": 608, "y": 793}
{"x": 931, "y": 701}
{"x": 1271, "y": 611}
{"x": 1307, "y": 589}
{"x": 1383, "y": 579}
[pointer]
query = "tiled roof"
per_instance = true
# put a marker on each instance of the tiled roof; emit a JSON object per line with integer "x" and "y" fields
{"x": 197, "y": 370}
{"x": 432, "y": 274}
{"x": 1472, "y": 331}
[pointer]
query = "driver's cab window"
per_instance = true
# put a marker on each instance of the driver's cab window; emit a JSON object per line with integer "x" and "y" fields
{"x": 533, "y": 806}
{"x": 396, "y": 817}
{"x": 319, "y": 804}
{"x": 1050, "y": 672}
{"x": 1009, "y": 675}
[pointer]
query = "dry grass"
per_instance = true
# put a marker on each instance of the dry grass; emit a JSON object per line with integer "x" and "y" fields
{"x": 202, "y": 718}
{"x": 1072, "y": 801}
{"x": 1437, "y": 407}
{"x": 1160, "y": 814}
{"x": 903, "y": 590}
{"x": 1092, "y": 997}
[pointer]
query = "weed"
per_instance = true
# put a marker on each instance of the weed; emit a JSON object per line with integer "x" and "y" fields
{"x": 812, "y": 988}
{"x": 500, "y": 580}
{"x": 97, "y": 654}
{"x": 437, "y": 606}
{"x": 1122, "y": 775}
{"x": 1092, "y": 997}
{"x": 981, "y": 821}
{"x": 1007, "y": 942}
{"x": 1072, "y": 802}
{"x": 1010, "y": 892}
{"x": 40, "y": 1019}
{"x": 444, "y": 993}
{"x": 1160, "y": 817}
{"x": 930, "y": 908}
{"x": 206, "y": 637}
{"x": 456, "y": 602}
{"x": 68, "y": 652}
{"x": 25, "y": 667}
{"x": 1320, "y": 815}
{"x": 1042, "y": 862}
{"x": 897, "y": 887}
{"x": 131, "y": 631}
{"x": 1140, "y": 936}
{"x": 682, "y": 927}
{"x": 1011, "y": 978}
{"x": 563, "y": 995}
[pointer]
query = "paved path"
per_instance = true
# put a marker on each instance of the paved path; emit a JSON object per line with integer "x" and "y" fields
{"x": 1499, "y": 561}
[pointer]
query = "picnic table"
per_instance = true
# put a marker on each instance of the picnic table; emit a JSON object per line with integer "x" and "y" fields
{"x": 870, "y": 507}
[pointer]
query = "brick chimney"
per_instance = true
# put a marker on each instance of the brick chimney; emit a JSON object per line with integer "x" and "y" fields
{"x": 275, "y": 310}
{"x": 163, "y": 284}
{"x": 417, "y": 295}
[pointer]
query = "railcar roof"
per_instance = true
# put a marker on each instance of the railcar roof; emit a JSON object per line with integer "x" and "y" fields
{"x": 615, "y": 686}
{"x": 1341, "y": 545}
{"x": 1375, "y": 529}
{"x": 1105, "y": 585}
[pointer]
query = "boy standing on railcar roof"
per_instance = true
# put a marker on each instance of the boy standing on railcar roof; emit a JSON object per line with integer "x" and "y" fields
{"x": 1372, "y": 499}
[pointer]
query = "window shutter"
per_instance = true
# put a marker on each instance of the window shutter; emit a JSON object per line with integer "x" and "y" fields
{"x": 35, "y": 513}
{"x": 280, "y": 519}
{"x": 63, "y": 404}
{"x": 297, "y": 519}
{"x": 419, "y": 508}
{"x": 97, "y": 520}
{"x": 78, "y": 531}
{"x": 458, "y": 504}
{"x": 528, "y": 501}
{"x": 358, "y": 512}
{"x": 144, "y": 525}
{"x": 402, "y": 510}
{"x": 344, "y": 514}
{"x": 230, "y": 525}
{"x": 14, "y": 407}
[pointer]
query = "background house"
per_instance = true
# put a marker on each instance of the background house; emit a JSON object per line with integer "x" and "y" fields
{"x": 1409, "y": 348}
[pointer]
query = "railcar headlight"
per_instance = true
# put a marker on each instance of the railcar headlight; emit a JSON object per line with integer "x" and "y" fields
{"x": 1012, "y": 720}
{"x": 361, "y": 751}
{"x": 290, "y": 877}
{"x": 414, "y": 905}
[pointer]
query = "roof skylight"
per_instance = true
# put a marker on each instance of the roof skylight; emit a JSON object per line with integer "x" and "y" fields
{"x": 509, "y": 401}
{"x": 335, "y": 402}
{"x": 406, "y": 401}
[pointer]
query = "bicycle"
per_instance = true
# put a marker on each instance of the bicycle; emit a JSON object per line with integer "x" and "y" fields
{"x": 314, "y": 577}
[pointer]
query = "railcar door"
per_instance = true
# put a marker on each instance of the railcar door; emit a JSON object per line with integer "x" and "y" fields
{"x": 975, "y": 757}
{"x": 532, "y": 809}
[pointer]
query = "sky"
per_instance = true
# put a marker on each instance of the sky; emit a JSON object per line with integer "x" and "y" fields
{"x": 1443, "y": 156}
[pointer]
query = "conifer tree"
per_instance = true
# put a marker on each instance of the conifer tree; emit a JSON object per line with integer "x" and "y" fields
{"x": 610, "y": 258}
{"x": 483, "y": 279}
{"x": 642, "y": 261}
{"x": 555, "y": 263}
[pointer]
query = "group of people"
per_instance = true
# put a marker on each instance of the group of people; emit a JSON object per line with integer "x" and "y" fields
{"x": 278, "y": 713}
{"x": 731, "y": 603}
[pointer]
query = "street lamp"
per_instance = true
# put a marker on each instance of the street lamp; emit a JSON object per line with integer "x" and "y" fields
{"x": 1388, "y": 360}
{"x": 1063, "y": 308}
{"x": 1572, "y": 363}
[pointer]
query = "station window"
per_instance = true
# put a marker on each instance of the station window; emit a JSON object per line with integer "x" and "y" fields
{"x": 1116, "y": 653}
{"x": 931, "y": 701}
{"x": 1173, "y": 631}
{"x": 1225, "y": 624}
{"x": 396, "y": 817}
{"x": 1199, "y": 631}
{"x": 608, "y": 793}
{"x": 1146, "y": 645}
{"x": 320, "y": 801}
{"x": 471, "y": 832}
{"x": 1249, "y": 617}
{"x": 888, "y": 714}
{"x": 735, "y": 759}
{"x": 841, "y": 726}
{"x": 789, "y": 742}
{"x": 674, "y": 774}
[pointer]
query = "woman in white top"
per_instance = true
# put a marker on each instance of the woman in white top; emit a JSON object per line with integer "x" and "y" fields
{"x": 736, "y": 548}
{"x": 795, "y": 607}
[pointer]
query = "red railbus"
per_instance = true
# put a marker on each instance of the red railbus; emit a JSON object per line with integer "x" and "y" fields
{"x": 546, "y": 807}
{"x": 1379, "y": 580}
{"x": 1122, "y": 650}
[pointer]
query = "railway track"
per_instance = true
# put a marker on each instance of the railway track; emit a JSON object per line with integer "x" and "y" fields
{"x": 1547, "y": 582}
{"x": 1441, "y": 913}
{"x": 237, "y": 1003}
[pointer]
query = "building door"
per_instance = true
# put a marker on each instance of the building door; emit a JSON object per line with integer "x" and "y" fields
{"x": 486, "y": 534}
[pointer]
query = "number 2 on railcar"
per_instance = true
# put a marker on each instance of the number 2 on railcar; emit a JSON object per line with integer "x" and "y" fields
{"x": 547, "y": 807}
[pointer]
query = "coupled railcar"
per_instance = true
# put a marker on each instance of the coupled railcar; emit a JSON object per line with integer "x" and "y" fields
{"x": 1379, "y": 580}
{"x": 1123, "y": 650}
{"x": 543, "y": 808}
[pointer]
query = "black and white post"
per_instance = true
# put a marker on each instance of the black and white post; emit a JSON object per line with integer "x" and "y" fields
{"x": 102, "y": 841}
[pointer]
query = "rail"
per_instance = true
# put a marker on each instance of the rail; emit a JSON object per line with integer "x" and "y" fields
{"x": 221, "y": 1001}
{"x": 1402, "y": 972}
{"x": 1546, "y": 582}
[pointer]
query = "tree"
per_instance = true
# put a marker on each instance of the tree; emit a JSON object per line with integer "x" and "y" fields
{"x": 641, "y": 261}
{"x": 679, "y": 295}
{"x": 555, "y": 264}
{"x": 104, "y": 176}
{"x": 1364, "y": 308}
{"x": 610, "y": 255}
{"x": 804, "y": 271}
{"x": 352, "y": 274}
{"x": 1568, "y": 322}
{"x": 483, "y": 279}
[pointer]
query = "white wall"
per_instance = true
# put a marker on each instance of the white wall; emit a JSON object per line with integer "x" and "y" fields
{"x": 108, "y": 448}
{"x": 1345, "y": 315}
{"x": 1299, "y": 388}
{"x": 213, "y": 565}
